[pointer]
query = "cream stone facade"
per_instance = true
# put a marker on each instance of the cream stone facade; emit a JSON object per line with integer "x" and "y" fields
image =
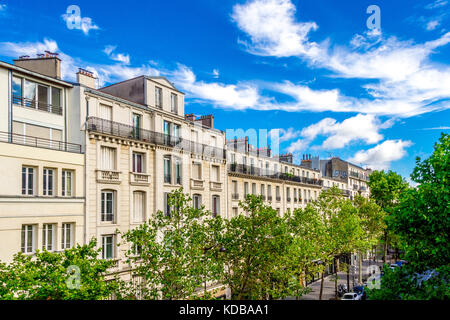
{"x": 81, "y": 163}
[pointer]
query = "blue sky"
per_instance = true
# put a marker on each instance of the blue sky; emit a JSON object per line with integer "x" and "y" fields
{"x": 311, "y": 69}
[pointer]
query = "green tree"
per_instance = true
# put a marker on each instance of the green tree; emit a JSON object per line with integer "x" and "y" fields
{"x": 256, "y": 258}
{"x": 173, "y": 255}
{"x": 386, "y": 189}
{"x": 75, "y": 273}
{"x": 421, "y": 220}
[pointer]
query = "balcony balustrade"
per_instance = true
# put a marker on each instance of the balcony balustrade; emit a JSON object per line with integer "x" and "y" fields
{"x": 108, "y": 176}
{"x": 38, "y": 105}
{"x": 39, "y": 142}
{"x": 125, "y": 131}
{"x": 139, "y": 178}
{"x": 245, "y": 169}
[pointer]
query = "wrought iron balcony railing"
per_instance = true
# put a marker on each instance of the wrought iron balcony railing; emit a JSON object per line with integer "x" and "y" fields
{"x": 254, "y": 171}
{"x": 38, "y": 105}
{"x": 39, "y": 142}
{"x": 126, "y": 131}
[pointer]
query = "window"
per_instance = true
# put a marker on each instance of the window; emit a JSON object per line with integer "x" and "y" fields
{"x": 158, "y": 97}
{"x": 66, "y": 236}
{"x": 105, "y": 112}
{"x": 67, "y": 183}
{"x": 197, "y": 201}
{"x": 107, "y": 206}
{"x": 277, "y": 191}
{"x": 167, "y": 207}
{"x": 108, "y": 158}
{"x": 29, "y": 93}
{"x": 136, "y": 126}
{"x": 235, "y": 186}
{"x": 139, "y": 206}
{"x": 174, "y": 103}
{"x": 269, "y": 191}
{"x": 215, "y": 173}
{"x": 196, "y": 171}
{"x": 235, "y": 212}
{"x": 56, "y": 97}
{"x": 178, "y": 171}
{"x": 254, "y": 188}
{"x": 43, "y": 98}
{"x": 108, "y": 247}
{"x": 48, "y": 182}
{"x": 275, "y": 168}
{"x": 167, "y": 170}
{"x": 286, "y": 169}
{"x": 244, "y": 160}
{"x": 263, "y": 192}
{"x": 288, "y": 194}
{"x": 166, "y": 127}
{"x": 17, "y": 90}
{"x": 232, "y": 158}
{"x": 27, "y": 180}
{"x": 245, "y": 189}
{"x": 215, "y": 206}
{"x": 48, "y": 237}
{"x": 138, "y": 162}
{"x": 28, "y": 238}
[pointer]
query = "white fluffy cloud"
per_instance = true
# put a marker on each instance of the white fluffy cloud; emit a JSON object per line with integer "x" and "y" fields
{"x": 119, "y": 57}
{"x": 106, "y": 73}
{"x": 272, "y": 28}
{"x": 381, "y": 156}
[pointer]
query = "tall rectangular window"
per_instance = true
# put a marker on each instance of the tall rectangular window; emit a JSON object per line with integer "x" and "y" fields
{"x": 158, "y": 97}
{"x": 108, "y": 158}
{"x": 245, "y": 189}
{"x": 178, "y": 171}
{"x": 28, "y": 180}
{"x": 174, "y": 103}
{"x": 269, "y": 191}
{"x": 167, "y": 170}
{"x": 67, "y": 183}
{"x": 235, "y": 186}
{"x": 197, "y": 171}
{"x": 166, "y": 128}
{"x": 263, "y": 192}
{"x": 48, "y": 182}
{"x": 108, "y": 247}
{"x": 138, "y": 162}
{"x": 43, "y": 98}
{"x": 139, "y": 206}
{"x": 105, "y": 112}
{"x": 66, "y": 236}
{"x": 215, "y": 206}
{"x": 107, "y": 206}
{"x": 29, "y": 94}
{"x": 167, "y": 207}
{"x": 28, "y": 238}
{"x": 277, "y": 193}
{"x": 254, "y": 188}
{"x": 197, "y": 201}
{"x": 17, "y": 93}
{"x": 56, "y": 97}
{"x": 48, "y": 237}
{"x": 136, "y": 126}
{"x": 215, "y": 173}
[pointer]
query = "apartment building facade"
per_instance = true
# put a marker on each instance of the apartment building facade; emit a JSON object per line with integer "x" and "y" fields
{"x": 80, "y": 162}
{"x": 281, "y": 183}
{"x": 42, "y": 188}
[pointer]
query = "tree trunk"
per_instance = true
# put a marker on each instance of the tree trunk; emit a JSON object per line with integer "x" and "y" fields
{"x": 321, "y": 287}
{"x": 359, "y": 269}
{"x": 348, "y": 270}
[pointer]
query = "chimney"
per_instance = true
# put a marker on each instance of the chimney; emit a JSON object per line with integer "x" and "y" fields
{"x": 86, "y": 78}
{"x": 190, "y": 117}
{"x": 286, "y": 157}
{"x": 207, "y": 121}
{"x": 47, "y": 64}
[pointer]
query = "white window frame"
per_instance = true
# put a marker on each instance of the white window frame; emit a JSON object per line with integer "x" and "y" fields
{"x": 103, "y": 205}
{"x": 113, "y": 249}
{"x": 25, "y": 189}
{"x": 25, "y": 236}
{"x": 46, "y": 229}
{"x": 67, "y": 230}
{"x": 45, "y": 182}
{"x": 64, "y": 175}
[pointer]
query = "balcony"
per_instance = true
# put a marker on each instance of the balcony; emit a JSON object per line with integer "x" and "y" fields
{"x": 139, "y": 179}
{"x": 39, "y": 142}
{"x": 108, "y": 176}
{"x": 197, "y": 184}
{"x": 250, "y": 170}
{"x": 235, "y": 196}
{"x": 278, "y": 199}
{"x": 34, "y": 104}
{"x": 117, "y": 129}
{"x": 215, "y": 186}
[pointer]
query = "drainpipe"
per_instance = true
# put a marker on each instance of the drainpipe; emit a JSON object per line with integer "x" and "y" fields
{"x": 9, "y": 106}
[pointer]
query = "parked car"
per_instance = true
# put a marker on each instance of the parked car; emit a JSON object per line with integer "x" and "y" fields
{"x": 393, "y": 266}
{"x": 351, "y": 296}
{"x": 361, "y": 291}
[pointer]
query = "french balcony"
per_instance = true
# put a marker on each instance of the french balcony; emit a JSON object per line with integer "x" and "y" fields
{"x": 269, "y": 198}
{"x": 108, "y": 176}
{"x": 215, "y": 186}
{"x": 197, "y": 184}
{"x": 139, "y": 179}
{"x": 278, "y": 199}
{"x": 235, "y": 196}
